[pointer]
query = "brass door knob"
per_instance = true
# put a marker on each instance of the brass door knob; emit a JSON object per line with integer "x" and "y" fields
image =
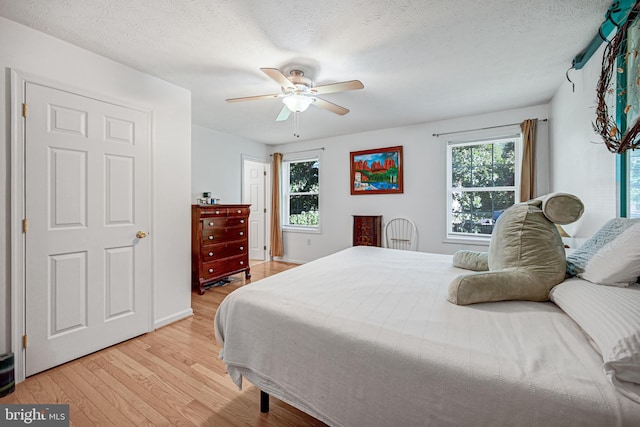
{"x": 141, "y": 234}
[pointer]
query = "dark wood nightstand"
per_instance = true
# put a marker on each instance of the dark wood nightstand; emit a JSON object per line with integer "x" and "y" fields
{"x": 367, "y": 230}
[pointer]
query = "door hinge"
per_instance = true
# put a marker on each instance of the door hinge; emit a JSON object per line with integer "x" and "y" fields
{"x": 265, "y": 210}
{"x": 24, "y": 341}
{"x": 25, "y": 225}
{"x": 25, "y": 109}
{"x": 265, "y": 247}
{"x": 265, "y": 173}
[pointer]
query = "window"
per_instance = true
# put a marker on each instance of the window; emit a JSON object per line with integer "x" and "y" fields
{"x": 634, "y": 184}
{"x": 632, "y": 114}
{"x": 483, "y": 179}
{"x": 301, "y": 201}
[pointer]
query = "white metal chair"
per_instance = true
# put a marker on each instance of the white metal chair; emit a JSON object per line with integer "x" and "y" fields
{"x": 401, "y": 233}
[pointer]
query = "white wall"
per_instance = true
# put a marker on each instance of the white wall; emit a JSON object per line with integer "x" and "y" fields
{"x": 424, "y": 197}
{"x": 567, "y": 159}
{"x": 32, "y": 52}
{"x": 570, "y": 158}
{"x": 216, "y": 162}
{"x": 580, "y": 162}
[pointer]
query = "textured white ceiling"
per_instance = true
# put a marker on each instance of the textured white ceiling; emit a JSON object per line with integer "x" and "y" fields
{"x": 420, "y": 60}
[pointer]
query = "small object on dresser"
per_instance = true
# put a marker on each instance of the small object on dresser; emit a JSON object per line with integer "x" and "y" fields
{"x": 207, "y": 199}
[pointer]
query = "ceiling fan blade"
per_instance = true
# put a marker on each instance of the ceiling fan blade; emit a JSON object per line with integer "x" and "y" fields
{"x": 251, "y": 98}
{"x": 338, "y": 87}
{"x": 334, "y": 108}
{"x": 284, "y": 114}
{"x": 280, "y": 78}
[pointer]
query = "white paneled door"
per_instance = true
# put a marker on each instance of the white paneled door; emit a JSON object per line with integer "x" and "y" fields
{"x": 254, "y": 193}
{"x": 87, "y": 204}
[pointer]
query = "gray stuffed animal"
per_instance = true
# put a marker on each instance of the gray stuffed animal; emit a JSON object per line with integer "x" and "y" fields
{"x": 526, "y": 257}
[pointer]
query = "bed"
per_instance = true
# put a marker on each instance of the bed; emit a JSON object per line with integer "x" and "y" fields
{"x": 366, "y": 337}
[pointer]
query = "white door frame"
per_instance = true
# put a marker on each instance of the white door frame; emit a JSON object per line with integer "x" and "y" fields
{"x": 267, "y": 197}
{"x": 17, "y": 205}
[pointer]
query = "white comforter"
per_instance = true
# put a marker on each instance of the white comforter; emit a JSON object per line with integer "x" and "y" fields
{"x": 366, "y": 337}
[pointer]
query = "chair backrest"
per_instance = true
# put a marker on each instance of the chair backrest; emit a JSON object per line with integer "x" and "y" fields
{"x": 401, "y": 233}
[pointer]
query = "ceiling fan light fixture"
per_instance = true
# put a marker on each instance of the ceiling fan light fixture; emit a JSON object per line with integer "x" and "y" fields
{"x": 298, "y": 92}
{"x": 297, "y": 103}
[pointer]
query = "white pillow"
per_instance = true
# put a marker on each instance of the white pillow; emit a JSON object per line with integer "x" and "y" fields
{"x": 610, "y": 317}
{"x": 611, "y": 256}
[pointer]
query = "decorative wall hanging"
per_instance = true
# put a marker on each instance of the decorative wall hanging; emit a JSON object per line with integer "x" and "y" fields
{"x": 620, "y": 79}
{"x": 377, "y": 171}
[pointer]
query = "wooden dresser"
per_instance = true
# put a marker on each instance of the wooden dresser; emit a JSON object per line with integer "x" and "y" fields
{"x": 367, "y": 230}
{"x": 219, "y": 243}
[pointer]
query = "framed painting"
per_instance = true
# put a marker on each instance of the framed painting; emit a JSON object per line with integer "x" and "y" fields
{"x": 376, "y": 171}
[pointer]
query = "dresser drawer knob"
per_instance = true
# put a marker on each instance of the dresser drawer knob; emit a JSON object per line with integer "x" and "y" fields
{"x": 241, "y": 262}
{"x": 211, "y": 270}
{"x": 211, "y": 223}
{"x": 242, "y": 233}
{"x": 210, "y": 237}
{"x": 239, "y": 211}
{"x": 210, "y": 253}
{"x": 242, "y": 248}
{"x": 217, "y": 212}
{"x": 242, "y": 221}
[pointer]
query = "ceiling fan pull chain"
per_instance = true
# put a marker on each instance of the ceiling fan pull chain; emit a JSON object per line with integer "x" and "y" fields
{"x": 296, "y": 124}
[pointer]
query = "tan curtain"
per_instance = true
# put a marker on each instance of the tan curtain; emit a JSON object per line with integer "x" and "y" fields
{"x": 527, "y": 177}
{"x": 277, "y": 248}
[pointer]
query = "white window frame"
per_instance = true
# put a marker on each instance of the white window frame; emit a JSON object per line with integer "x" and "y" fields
{"x": 474, "y": 238}
{"x": 287, "y": 159}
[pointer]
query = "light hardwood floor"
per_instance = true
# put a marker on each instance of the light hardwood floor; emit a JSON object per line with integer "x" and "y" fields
{"x": 169, "y": 377}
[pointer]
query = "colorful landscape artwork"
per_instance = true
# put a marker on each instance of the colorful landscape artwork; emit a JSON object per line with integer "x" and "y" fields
{"x": 377, "y": 171}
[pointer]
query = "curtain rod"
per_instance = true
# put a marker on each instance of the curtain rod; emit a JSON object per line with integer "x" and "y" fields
{"x": 489, "y": 127}
{"x": 301, "y": 151}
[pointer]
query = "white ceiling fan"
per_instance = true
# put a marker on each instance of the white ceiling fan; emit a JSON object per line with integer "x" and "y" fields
{"x": 298, "y": 92}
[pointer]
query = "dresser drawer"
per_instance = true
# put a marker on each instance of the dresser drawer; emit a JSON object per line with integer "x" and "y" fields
{"x": 224, "y": 266}
{"x": 238, "y": 212}
{"x": 223, "y": 234}
{"x": 217, "y": 222}
{"x": 222, "y": 212}
{"x": 224, "y": 250}
{"x": 213, "y": 211}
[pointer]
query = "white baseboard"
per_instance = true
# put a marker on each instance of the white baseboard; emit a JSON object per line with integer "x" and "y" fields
{"x": 285, "y": 259}
{"x": 173, "y": 318}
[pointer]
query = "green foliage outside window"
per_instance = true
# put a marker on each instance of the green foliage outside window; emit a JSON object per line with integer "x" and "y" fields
{"x": 303, "y": 193}
{"x": 483, "y": 185}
